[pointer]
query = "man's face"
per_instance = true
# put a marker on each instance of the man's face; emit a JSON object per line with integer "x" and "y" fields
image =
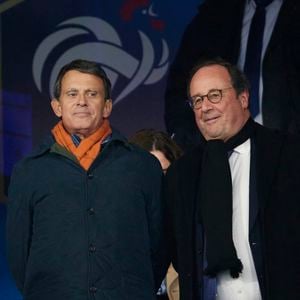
{"x": 224, "y": 119}
{"x": 81, "y": 104}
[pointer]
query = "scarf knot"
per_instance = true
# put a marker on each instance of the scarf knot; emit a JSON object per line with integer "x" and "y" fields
{"x": 88, "y": 149}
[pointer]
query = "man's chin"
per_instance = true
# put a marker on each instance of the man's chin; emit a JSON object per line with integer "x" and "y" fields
{"x": 211, "y": 135}
{"x": 82, "y": 131}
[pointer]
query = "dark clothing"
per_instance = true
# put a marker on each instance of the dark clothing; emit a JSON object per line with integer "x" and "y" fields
{"x": 74, "y": 234}
{"x": 162, "y": 297}
{"x": 216, "y": 31}
{"x": 274, "y": 211}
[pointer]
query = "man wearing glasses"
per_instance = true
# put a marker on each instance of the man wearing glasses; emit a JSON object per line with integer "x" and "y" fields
{"x": 234, "y": 199}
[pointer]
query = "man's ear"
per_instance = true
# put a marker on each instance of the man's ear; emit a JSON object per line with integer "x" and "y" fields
{"x": 55, "y": 104}
{"x": 107, "y": 108}
{"x": 244, "y": 99}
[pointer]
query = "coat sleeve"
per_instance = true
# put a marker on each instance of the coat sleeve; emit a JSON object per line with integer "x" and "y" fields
{"x": 18, "y": 227}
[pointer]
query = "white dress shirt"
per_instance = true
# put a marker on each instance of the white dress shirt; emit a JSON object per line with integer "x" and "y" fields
{"x": 246, "y": 287}
{"x": 272, "y": 11}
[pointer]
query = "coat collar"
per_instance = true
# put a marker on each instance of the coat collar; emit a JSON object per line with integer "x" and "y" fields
{"x": 49, "y": 141}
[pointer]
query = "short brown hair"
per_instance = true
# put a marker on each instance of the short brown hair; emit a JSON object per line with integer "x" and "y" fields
{"x": 83, "y": 66}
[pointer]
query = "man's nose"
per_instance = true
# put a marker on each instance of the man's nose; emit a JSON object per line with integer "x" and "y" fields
{"x": 206, "y": 104}
{"x": 82, "y": 100}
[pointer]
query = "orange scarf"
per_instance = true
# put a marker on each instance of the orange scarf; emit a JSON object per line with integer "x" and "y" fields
{"x": 88, "y": 148}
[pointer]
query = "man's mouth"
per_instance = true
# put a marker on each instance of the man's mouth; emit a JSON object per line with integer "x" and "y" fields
{"x": 210, "y": 120}
{"x": 81, "y": 114}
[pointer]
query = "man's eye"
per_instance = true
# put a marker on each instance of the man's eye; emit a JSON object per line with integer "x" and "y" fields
{"x": 198, "y": 99}
{"x": 214, "y": 94}
{"x": 92, "y": 94}
{"x": 72, "y": 94}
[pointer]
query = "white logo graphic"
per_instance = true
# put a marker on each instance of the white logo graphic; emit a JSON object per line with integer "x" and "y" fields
{"x": 106, "y": 50}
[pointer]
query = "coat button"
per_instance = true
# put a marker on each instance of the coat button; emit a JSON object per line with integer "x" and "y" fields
{"x": 91, "y": 211}
{"x": 90, "y": 176}
{"x": 93, "y": 289}
{"x": 92, "y": 248}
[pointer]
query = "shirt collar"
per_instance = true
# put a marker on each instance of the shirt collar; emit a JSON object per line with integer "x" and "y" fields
{"x": 243, "y": 148}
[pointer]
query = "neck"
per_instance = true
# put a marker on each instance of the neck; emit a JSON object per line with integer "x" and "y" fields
{"x": 239, "y": 128}
{"x": 246, "y": 132}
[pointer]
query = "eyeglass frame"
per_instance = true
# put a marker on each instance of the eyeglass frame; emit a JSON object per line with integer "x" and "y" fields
{"x": 202, "y": 97}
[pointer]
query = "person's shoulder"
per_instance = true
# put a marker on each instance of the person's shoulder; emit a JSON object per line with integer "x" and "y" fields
{"x": 36, "y": 153}
{"x": 191, "y": 155}
{"x": 144, "y": 156}
{"x": 28, "y": 169}
{"x": 277, "y": 138}
{"x": 135, "y": 154}
{"x": 276, "y": 133}
{"x": 145, "y": 165}
{"x": 188, "y": 162}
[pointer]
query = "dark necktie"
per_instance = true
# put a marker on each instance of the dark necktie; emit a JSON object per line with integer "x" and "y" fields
{"x": 254, "y": 51}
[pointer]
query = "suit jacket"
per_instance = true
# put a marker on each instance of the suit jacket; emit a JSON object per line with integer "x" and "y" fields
{"x": 275, "y": 216}
{"x": 216, "y": 31}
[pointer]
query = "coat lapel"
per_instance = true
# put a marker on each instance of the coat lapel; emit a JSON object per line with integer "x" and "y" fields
{"x": 188, "y": 175}
{"x": 267, "y": 154}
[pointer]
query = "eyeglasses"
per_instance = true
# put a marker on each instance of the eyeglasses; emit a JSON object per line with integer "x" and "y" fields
{"x": 214, "y": 96}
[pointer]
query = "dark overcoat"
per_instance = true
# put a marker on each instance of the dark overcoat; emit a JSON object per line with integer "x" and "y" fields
{"x": 76, "y": 234}
{"x": 275, "y": 216}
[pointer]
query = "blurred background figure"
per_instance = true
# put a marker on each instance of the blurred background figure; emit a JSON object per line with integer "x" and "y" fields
{"x": 262, "y": 37}
{"x": 159, "y": 144}
{"x": 166, "y": 151}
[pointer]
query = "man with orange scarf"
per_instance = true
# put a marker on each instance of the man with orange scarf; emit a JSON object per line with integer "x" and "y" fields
{"x": 84, "y": 212}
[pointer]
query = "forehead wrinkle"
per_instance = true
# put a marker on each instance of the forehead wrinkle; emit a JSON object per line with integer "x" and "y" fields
{"x": 211, "y": 75}
{"x": 85, "y": 90}
{"x": 203, "y": 94}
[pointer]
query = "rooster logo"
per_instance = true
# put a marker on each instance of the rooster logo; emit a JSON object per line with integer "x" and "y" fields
{"x": 131, "y": 6}
{"x": 105, "y": 48}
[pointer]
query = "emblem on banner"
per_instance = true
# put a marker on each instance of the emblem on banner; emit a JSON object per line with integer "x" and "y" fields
{"x": 107, "y": 49}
